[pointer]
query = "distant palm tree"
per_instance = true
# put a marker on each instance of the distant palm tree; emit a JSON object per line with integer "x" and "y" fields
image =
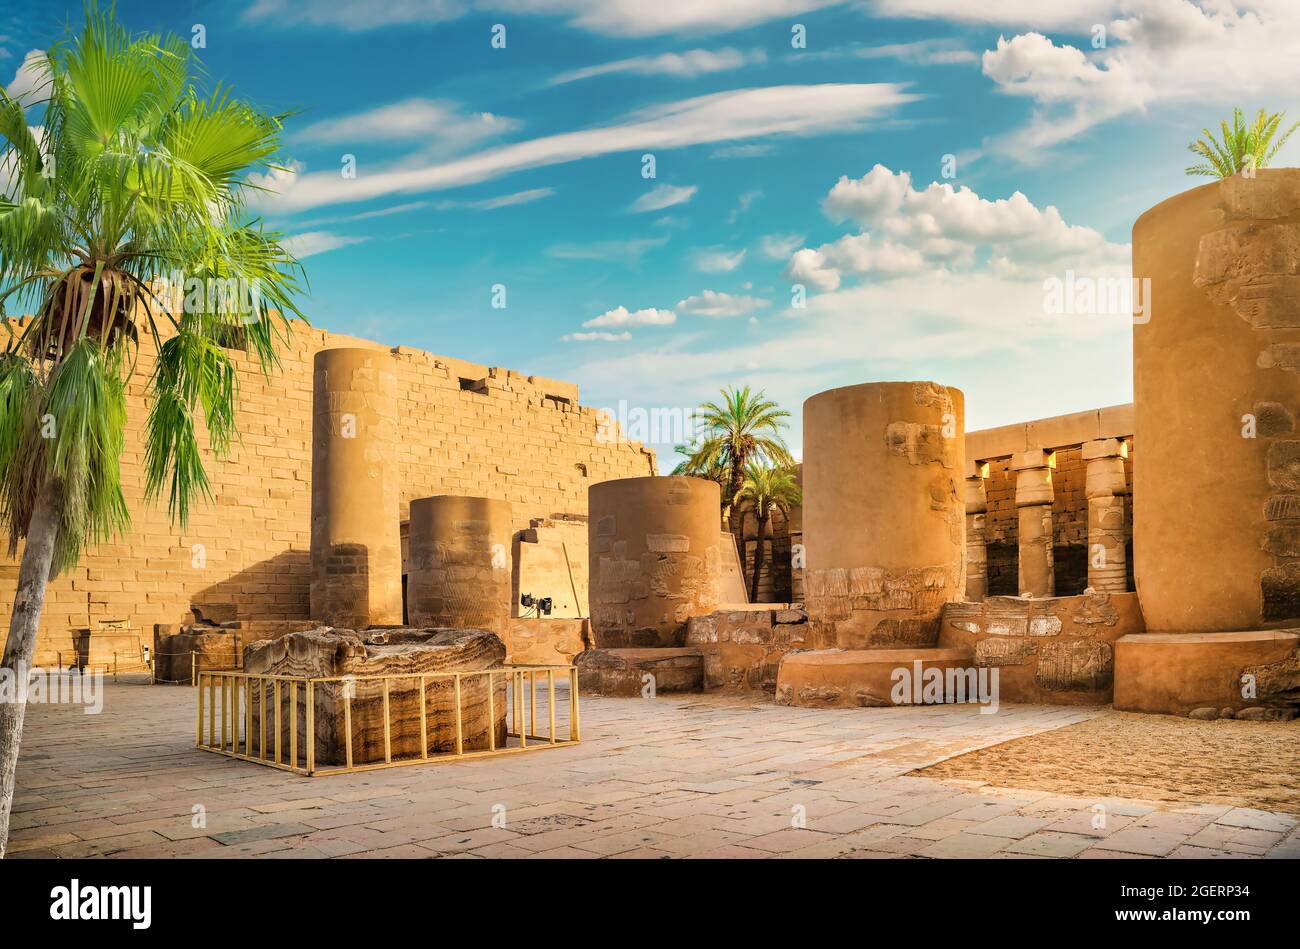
{"x": 767, "y": 488}
{"x": 131, "y": 177}
{"x": 1242, "y": 148}
{"x": 745, "y": 427}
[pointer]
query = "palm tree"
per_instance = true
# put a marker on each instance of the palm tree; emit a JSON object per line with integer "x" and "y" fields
{"x": 745, "y": 427}
{"x": 132, "y": 177}
{"x": 1243, "y": 148}
{"x": 767, "y": 488}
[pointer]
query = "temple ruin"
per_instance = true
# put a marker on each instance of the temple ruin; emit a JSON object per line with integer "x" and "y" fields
{"x": 378, "y": 488}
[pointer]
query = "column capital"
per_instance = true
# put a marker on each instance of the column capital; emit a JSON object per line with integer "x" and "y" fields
{"x": 1034, "y": 458}
{"x": 1104, "y": 448}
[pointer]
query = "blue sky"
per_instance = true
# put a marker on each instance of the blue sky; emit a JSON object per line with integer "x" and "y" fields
{"x": 776, "y": 167}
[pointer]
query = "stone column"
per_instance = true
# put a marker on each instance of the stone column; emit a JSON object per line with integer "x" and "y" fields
{"x": 1105, "y": 488}
{"x": 460, "y": 567}
{"x": 977, "y": 567}
{"x": 356, "y": 547}
{"x": 655, "y": 559}
{"x": 1216, "y": 512}
{"x": 883, "y": 515}
{"x": 1034, "y": 496}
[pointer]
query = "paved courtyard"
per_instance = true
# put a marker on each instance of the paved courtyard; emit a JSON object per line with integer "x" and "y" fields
{"x": 698, "y": 776}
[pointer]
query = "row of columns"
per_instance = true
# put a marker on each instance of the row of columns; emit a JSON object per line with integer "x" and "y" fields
{"x": 1104, "y": 486}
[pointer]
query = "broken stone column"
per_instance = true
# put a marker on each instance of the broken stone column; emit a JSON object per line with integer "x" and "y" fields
{"x": 460, "y": 563}
{"x": 884, "y": 519}
{"x": 346, "y": 658}
{"x": 654, "y": 558}
{"x": 1034, "y": 496}
{"x": 1216, "y": 373}
{"x": 1105, "y": 487}
{"x": 356, "y": 552}
{"x": 977, "y": 573}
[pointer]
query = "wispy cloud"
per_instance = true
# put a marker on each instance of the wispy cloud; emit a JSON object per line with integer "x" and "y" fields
{"x": 687, "y": 65}
{"x": 715, "y": 260}
{"x": 311, "y": 243}
{"x": 621, "y": 316}
{"x": 626, "y": 251}
{"x": 720, "y": 117}
{"x": 713, "y": 303}
{"x": 596, "y": 337}
{"x": 663, "y": 196}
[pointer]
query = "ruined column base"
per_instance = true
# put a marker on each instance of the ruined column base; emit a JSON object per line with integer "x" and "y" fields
{"x": 1173, "y": 673}
{"x": 859, "y": 678}
{"x": 623, "y": 672}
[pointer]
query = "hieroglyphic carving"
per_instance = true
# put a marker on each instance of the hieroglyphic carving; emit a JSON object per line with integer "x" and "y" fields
{"x": 1075, "y": 665}
{"x": 1004, "y": 651}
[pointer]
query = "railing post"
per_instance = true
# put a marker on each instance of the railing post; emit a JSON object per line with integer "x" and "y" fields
{"x": 261, "y": 718}
{"x": 198, "y": 728}
{"x": 574, "y": 733}
{"x": 347, "y": 721}
{"x": 212, "y": 709}
{"x": 520, "y": 711}
{"x": 248, "y": 717}
{"x": 492, "y": 714}
{"x": 311, "y": 727}
{"x": 194, "y": 666}
{"x": 460, "y": 741}
{"x": 277, "y": 721}
{"x": 388, "y": 734}
{"x": 424, "y": 723}
{"x": 293, "y": 723}
{"x": 550, "y": 702}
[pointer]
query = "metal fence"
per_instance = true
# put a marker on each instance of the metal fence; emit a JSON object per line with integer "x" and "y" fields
{"x": 236, "y": 710}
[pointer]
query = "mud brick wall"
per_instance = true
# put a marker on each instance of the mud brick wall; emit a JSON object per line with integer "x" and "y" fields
{"x": 465, "y": 428}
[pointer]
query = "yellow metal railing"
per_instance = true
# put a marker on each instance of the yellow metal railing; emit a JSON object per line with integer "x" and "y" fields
{"x": 233, "y": 709}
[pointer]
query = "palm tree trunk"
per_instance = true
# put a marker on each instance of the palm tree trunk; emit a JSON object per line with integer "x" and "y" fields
{"x": 758, "y": 559}
{"x": 735, "y": 515}
{"x": 33, "y": 575}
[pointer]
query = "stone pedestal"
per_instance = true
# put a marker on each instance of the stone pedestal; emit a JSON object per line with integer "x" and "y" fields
{"x": 1105, "y": 487}
{"x": 884, "y": 520}
{"x": 976, "y": 496}
{"x": 654, "y": 559}
{"x": 356, "y": 553}
{"x": 460, "y": 563}
{"x": 1034, "y": 496}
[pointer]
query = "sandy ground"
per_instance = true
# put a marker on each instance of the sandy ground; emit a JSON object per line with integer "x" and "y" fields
{"x": 1148, "y": 757}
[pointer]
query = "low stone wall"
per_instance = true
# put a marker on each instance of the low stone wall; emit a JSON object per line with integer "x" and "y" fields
{"x": 1179, "y": 672}
{"x": 545, "y": 642}
{"x": 643, "y": 672}
{"x": 742, "y": 649}
{"x": 1054, "y": 651}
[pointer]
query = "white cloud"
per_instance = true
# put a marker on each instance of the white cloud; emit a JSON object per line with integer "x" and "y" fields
{"x": 687, "y": 65}
{"x": 713, "y": 303}
{"x": 779, "y": 246}
{"x": 719, "y": 117}
{"x": 663, "y": 196}
{"x": 908, "y": 231}
{"x": 596, "y": 337}
{"x": 932, "y": 52}
{"x": 1156, "y": 52}
{"x": 501, "y": 201}
{"x": 30, "y": 79}
{"x": 742, "y": 151}
{"x": 1058, "y": 14}
{"x": 610, "y": 17}
{"x": 440, "y": 126}
{"x": 743, "y": 204}
{"x": 620, "y": 316}
{"x": 311, "y": 243}
{"x": 628, "y": 251}
{"x": 713, "y": 260}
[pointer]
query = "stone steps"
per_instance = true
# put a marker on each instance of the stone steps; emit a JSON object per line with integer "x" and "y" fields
{"x": 856, "y": 678}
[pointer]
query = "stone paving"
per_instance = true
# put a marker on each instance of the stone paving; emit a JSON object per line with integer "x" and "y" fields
{"x": 698, "y": 776}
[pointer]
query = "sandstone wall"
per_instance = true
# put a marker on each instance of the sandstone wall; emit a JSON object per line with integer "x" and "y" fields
{"x": 465, "y": 429}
